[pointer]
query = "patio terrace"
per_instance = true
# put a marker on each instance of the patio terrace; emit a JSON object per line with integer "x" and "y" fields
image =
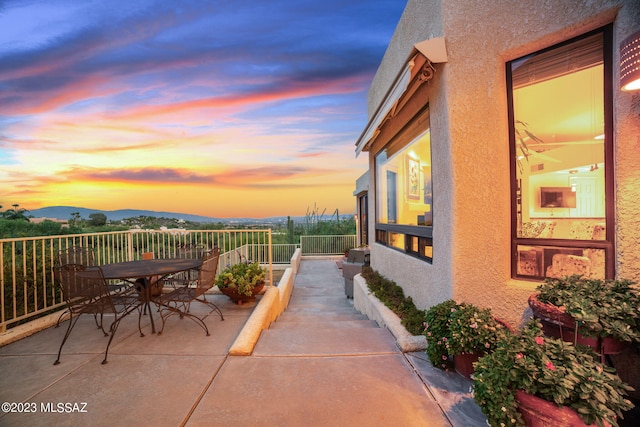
{"x": 321, "y": 363}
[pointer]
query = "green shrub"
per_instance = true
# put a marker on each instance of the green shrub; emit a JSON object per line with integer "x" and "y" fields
{"x": 453, "y": 328}
{"x": 602, "y": 307}
{"x": 392, "y": 296}
{"x": 436, "y": 329}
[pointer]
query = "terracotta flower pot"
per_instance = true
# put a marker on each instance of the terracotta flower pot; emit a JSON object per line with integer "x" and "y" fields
{"x": 558, "y": 324}
{"x": 549, "y": 311}
{"x": 463, "y": 363}
{"x": 240, "y": 298}
{"x": 538, "y": 412}
{"x": 610, "y": 345}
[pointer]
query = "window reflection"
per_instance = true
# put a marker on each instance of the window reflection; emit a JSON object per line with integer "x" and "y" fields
{"x": 404, "y": 183}
{"x": 558, "y": 105}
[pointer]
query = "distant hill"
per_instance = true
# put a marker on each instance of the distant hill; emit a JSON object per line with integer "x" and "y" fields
{"x": 64, "y": 213}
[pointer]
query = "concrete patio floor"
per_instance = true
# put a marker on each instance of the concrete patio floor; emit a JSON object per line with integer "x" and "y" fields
{"x": 320, "y": 364}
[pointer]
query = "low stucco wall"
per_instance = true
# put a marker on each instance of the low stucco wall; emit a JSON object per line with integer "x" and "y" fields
{"x": 366, "y": 303}
{"x": 295, "y": 261}
{"x": 272, "y": 303}
{"x": 30, "y": 328}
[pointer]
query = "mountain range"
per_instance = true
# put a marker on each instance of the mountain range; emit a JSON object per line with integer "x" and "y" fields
{"x": 64, "y": 213}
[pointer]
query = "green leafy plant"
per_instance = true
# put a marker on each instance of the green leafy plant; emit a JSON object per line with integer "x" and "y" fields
{"x": 551, "y": 369}
{"x": 474, "y": 330}
{"x": 453, "y": 328}
{"x": 392, "y": 296}
{"x": 242, "y": 277}
{"x": 601, "y": 307}
{"x": 436, "y": 329}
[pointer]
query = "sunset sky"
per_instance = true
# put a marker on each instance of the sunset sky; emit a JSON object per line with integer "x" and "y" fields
{"x": 217, "y": 108}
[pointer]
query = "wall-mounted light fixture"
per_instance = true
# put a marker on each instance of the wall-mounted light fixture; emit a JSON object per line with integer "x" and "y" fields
{"x": 630, "y": 63}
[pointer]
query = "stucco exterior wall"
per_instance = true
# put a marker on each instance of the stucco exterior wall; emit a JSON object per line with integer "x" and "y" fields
{"x": 420, "y": 20}
{"x": 470, "y": 143}
{"x": 627, "y": 154}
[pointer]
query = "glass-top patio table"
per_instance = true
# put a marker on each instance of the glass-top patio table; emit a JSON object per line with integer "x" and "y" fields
{"x": 151, "y": 270}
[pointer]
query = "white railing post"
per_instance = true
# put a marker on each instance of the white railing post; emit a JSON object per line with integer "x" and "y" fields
{"x": 270, "y": 249}
{"x": 130, "y": 245}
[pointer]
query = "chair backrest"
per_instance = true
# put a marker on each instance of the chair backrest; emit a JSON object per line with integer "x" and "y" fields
{"x": 77, "y": 255}
{"x": 82, "y": 286}
{"x": 191, "y": 251}
{"x": 207, "y": 271}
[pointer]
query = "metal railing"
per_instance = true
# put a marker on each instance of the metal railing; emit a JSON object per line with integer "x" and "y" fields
{"x": 327, "y": 245}
{"x": 27, "y": 287}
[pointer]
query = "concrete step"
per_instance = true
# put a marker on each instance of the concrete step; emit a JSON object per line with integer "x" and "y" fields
{"x": 329, "y": 293}
{"x": 321, "y": 306}
{"x": 322, "y": 324}
{"x": 325, "y": 342}
{"x": 319, "y": 299}
{"x": 320, "y": 310}
{"x": 327, "y": 299}
{"x": 315, "y": 318}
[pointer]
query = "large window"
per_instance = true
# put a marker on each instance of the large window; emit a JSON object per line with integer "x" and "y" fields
{"x": 561, "y": 145}
{"x": 404, "y": 196}
{"x": 363, "y": 218}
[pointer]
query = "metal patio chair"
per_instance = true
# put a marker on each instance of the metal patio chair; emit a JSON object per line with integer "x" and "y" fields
{"x": 77, "y": 255}
{"x": 178, "y": 301}
{"x": 186, "y": 251}
{"x": 81, "y": 256}
{"x": 86, "y": 292}
{"x": 191, "y": 251}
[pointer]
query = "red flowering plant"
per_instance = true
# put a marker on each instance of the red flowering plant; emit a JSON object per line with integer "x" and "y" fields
{"x": 550, "y": 369}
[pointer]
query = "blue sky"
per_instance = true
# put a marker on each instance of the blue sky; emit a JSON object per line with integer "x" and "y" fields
{"x": 217, "y": 108}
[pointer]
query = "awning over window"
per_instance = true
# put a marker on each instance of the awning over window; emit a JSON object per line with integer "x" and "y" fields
{"x": 410, "y": 75}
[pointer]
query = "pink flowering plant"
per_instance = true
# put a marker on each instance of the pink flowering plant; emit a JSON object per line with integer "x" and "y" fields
{"x": 436, "y": 330}
{"x": 452, "y": 328}
{"x": 474, "y": 330}
{"x": 551, "y": 369}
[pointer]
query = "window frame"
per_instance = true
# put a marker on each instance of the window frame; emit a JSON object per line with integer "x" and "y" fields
{"x": 408, "y": 118}
{"x": 608, "y": 244}
{"x": 422, "y": 232}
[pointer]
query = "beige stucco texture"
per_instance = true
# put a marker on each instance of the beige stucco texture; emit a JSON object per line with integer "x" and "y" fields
{"x": 470, "y": 145}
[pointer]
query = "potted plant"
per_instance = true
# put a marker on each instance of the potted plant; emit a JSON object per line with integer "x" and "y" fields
{"x": 600, "y": 313}
{"x": 241, "y": 282}
{"x": 474, "y": 332}
{"x": 534, "y": 380}
{"x": 436, "y": 329}
{"x": 463, "y": 332}
{"x": 347, "y": 249}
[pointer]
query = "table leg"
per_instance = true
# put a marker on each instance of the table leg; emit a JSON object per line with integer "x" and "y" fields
{"x": 148, "y": 303}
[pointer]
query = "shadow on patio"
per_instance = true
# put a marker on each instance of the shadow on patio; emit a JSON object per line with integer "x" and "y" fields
{"x": 155, "y": 378}
{"x": 321, "y": 364}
